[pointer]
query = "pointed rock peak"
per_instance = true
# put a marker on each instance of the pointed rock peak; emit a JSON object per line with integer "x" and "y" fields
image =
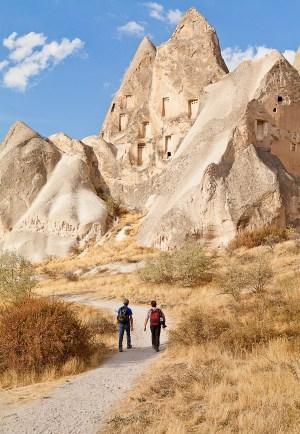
{"x": 19, "y": 133}
{"x": 146, "y": 44}
{"x": 60, "y": 136}
{"x": 192, "y": 23}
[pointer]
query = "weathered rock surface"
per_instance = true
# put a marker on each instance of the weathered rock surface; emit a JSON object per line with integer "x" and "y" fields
{"x": 226, "y": 174}
{"x": 52, "y": 203}
{"x": 297, "y": 61}
{"x": 159, "y": 97}
{"x": 206, "y": 153}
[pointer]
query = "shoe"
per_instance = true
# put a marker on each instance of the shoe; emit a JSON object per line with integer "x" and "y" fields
{"x": 120, "y": 350}
{"x": 129, "y": 347}
{"x": 157, "y": 350}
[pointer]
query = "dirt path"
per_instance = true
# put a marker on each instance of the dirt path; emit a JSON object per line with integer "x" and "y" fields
{"x": 81, "y": 405}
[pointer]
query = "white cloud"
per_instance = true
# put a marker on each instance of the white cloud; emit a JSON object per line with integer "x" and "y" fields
{"x": 23, "y": 46}
{"x": 132, "y": 28}
{"x": 174, "y": 16}
{"x": 157, "y": 11}
{"x": 30, "y": 55}
{"x": 3, "y": 64}
{"x": 233, "y": 56}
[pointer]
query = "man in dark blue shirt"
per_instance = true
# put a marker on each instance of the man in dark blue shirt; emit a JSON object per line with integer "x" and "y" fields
{"x": 125, "y": 324}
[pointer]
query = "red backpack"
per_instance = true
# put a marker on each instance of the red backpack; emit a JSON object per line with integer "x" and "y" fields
{"x": 155, "y": 317}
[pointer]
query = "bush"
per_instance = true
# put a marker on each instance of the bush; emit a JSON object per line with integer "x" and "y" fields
{"x": 41, "y": 333}
{"x": 16, "y": 278}
{"x": 268, "y": 235}
{"x": 188, "y": 266}
{"x": 253, "y": 277}
{"x": 71, "y": 277}
{"x": 246, "y": 325}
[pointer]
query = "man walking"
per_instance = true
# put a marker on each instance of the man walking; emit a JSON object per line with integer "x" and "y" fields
{"x": 125, "y": 321}
{"x": 157, "y": 320}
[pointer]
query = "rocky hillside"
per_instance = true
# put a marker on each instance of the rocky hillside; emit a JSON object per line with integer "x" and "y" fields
{"x": 201, "y": 152}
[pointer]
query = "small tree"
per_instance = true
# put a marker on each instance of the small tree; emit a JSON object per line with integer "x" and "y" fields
{"x": 16, "y": 278}
{"x": 253, "y": 278}
{"x": 188, "y": 266}
{"x": 259, "y": 273}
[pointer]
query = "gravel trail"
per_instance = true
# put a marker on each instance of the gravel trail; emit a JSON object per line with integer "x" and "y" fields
{"x": 81, "y": 404}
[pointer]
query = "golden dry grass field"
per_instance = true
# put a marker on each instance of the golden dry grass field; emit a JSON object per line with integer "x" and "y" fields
{"x": 232, "y": 364}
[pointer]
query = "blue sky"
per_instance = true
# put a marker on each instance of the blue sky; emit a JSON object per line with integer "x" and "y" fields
{"x": 62, "y": 60}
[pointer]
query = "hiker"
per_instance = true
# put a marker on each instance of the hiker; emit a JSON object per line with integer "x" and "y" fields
{"x": 125, "y": 321}
{"x": 157, "y": 320}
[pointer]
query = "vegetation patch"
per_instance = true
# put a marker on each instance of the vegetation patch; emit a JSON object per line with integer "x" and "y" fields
{"x": 268, "y": 235}
{"x": 188, "y": 266}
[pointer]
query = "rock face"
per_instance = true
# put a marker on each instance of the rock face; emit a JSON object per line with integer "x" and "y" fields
{"x": 206, "y": 153}
{"x": 158, "y": 100}
{"x": 232, "y": 170}
{"x": 297, "y": 61}
{"x": 51, "y": 203}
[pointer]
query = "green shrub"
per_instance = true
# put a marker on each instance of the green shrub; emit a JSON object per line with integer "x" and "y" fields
{"x": 268, "y": 235}
{"x": 250, "y": 278}
{"x": 41, "y": 333}
{"x": 188, "y": 266}
{"x": 16, "y": 278}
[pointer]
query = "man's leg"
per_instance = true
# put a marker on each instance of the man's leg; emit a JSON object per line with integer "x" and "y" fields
{"x": 153, "y": 335}
{"x": 158, "y": 336}
{"x": 156, "y": 343}
{"x": 121, "y": 334}
{"x": 128, "y": 336}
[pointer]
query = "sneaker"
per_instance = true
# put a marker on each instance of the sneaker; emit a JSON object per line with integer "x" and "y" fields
{"x": 157, "y": 350}
{"x": 120, "y": 350}
{"x": 129, "y": 347}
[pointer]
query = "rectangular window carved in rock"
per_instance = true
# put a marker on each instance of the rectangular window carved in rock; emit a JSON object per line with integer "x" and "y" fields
{"x": 293, "y": 147}
{"x": 193, "y": 108}
{"x": 168, "y": 142}
{"x": 165, "y": 107}
{"x": 140, "y": 153}
{"x": 129, "y": 101}
{"x": 146, "y": 130}
{"x": 123, "y": 121}
{"x": 261, "y": 129}
{"x": 113, "y": 108}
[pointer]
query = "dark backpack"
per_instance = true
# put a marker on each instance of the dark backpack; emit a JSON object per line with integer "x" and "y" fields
{"x": 155, "y": 317}
{"x": 123, "y": 316}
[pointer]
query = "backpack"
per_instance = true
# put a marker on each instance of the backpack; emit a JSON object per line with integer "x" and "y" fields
{"x": 155, "y": 317}
{"x": 123, "y": 316}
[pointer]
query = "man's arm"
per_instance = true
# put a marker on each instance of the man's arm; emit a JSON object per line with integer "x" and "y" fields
{"x": 146, "y": 320}
{"x": 131, "y": 322}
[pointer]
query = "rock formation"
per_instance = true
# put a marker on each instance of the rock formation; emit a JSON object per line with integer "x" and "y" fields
{"x": 158, "y": 99}
{"x": 297, "y": 61}
{"x": 205, "y": 153}
{"x": 237, "y": 167}
{"x": 49, "y": 200}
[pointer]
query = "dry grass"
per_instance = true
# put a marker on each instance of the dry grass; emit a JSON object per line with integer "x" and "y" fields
{"x": 227, "y": 370}
{"x": 101, "y": 328}
{"x": 109, "y": 251}
{"x": 268, "y": 235}
{"x": 232, "y": 366}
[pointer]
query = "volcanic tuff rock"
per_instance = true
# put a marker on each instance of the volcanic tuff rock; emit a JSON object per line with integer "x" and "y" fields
{"x": 205, "y": 153}
{"x": 232, "y": 170}
{"x": 159, "y": 97}
{"x": 297, "y": 61}
{"x": 51, "y": 203}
